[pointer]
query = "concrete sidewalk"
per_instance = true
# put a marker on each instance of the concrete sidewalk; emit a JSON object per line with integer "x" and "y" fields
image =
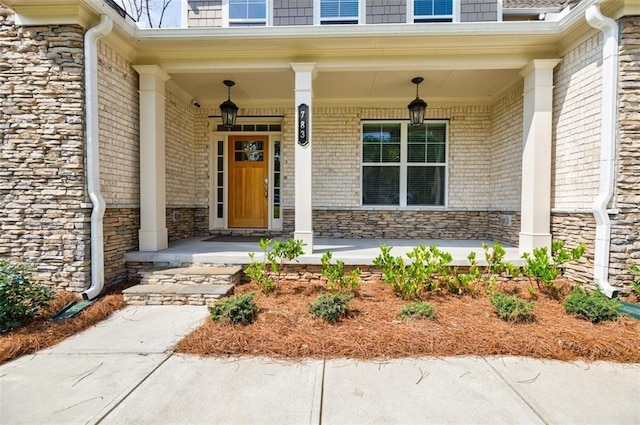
{"x": 122, "y": 371}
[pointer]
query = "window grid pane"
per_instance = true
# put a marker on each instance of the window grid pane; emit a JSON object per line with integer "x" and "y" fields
{"x": 432, "y": 8}
{"x": 424, "y": 166}
{"x": 381, "y": 185}
{"x": 338, "y": 9}
{"x": 255, "y": 10}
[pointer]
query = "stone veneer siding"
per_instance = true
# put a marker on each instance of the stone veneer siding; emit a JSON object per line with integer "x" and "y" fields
{"x": 43, "y": 219}
{"x": 625, "y": 226}
{"x": 120, "y": 227}
{"x": 180, "y": 223}
{"x": 573, "y": 228}
{"x": 411, "y": 224}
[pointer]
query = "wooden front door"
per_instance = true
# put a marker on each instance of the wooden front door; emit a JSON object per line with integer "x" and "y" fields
{"x": 248, "y": 181}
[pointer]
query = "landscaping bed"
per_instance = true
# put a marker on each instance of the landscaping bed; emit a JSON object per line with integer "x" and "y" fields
{"x": 465, "y": 325}
{"x": 40, "y": 333}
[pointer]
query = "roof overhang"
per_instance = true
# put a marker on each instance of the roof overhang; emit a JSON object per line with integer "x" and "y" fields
{"x": 371, "y": 57}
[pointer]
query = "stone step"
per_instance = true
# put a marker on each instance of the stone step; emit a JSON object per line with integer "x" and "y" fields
{"x": 194, "y": 275}
{"x": 175, "y": 294}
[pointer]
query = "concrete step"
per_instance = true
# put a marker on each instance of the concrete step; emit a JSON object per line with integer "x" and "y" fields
{"x": 194, "y": 275}
{"x": 175, "y": 294}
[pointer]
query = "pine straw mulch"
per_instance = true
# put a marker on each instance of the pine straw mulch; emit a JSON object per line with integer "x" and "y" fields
{"x": 40, "y": 333}
{"x": 464, "y": 326}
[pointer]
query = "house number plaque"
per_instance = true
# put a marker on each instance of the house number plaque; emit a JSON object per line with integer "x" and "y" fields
{"x": 303, "y": 124}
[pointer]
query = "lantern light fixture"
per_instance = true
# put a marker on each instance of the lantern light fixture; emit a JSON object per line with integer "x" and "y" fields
{"x": 418, "y": 106}
{"x": 228, "y": 109}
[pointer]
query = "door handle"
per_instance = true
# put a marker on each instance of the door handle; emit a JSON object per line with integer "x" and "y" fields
{"x": 266, "y": 188}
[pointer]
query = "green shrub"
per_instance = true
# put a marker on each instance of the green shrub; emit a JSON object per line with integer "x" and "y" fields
{"x": 337, "y": 281}
{"x": 20, "y": 298}
{"x": 428, "y": 268}
{"x": 466, "y": 283}
{"x": 545, "y": 268}
{"x": 275, "y": 254}
{"x": 591, "y": 305}
{"x": 635, "y": 279}
{"x": 417, "y": 310}
{"x": 330, "y": 307}
{"x": 239, "y": 309}
{"x": 511, "y": 308}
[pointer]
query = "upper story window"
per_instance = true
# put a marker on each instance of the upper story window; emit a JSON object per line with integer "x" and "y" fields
{"x": 432, "y": 10}
{"x": 247, "y": 13}
{"x": 403, "y": 165}
{"x": 339, "y": 12}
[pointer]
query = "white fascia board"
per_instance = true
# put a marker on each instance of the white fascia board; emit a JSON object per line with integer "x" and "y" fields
{"x": 351, "y": 31}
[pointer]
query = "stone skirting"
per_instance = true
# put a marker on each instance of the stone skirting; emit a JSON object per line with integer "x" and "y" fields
{"x": 120, "y": 228}
{"x": 412, "y": 224}
{"x": 180, "y": 223}
{"x": 573, "y": 228}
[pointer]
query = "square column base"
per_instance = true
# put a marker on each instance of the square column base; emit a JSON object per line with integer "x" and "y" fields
{"x": 153, "y": 240}
{"x": 307, "y": 240}
{"x": 529, "y": 241}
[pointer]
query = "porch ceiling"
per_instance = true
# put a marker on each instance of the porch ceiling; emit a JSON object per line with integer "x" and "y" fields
{"x": 371, "y": 88}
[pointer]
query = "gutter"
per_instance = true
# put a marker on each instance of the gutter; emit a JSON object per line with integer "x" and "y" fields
{"x": 609, "y": 29}
{"x": 91, "y": 38}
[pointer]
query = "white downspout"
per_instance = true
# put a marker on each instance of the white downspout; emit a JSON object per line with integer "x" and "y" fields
{"x": 609, "y": 29}
{"x": 91, "y": 38}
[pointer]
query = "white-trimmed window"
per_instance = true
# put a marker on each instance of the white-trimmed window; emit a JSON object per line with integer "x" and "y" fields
{"x": 403, "y": 165}
{"x": 334, "y": 12}
{"x": 247, "y": 13}
{"x": 432, "y": 10}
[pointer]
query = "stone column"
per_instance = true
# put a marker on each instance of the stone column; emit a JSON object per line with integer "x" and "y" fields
{"x": 305, "y": 73}
{"x": 535, "y": 227}
{"x": 153, "y": 226}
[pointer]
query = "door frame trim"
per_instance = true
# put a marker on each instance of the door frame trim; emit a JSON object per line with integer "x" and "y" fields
{"x": 216, "y": 223}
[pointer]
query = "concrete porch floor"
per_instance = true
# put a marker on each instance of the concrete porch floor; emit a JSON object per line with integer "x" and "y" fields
{"x": 351, "y": 251}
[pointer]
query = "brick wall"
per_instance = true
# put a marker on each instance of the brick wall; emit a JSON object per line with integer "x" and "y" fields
{"x": 292, "y": 12}
{"x": 478, "y": 10}
{"x": 118, "y": 105}
{"x": 386, "y": 11}
{"x": 576, "y": 126}
{"x": 180, "y": 151}
{"x": 506, "y": 153}
{"x": 473, "y": 172}
{"x": 204, "y": 13}
{"x": 42, "y": 175}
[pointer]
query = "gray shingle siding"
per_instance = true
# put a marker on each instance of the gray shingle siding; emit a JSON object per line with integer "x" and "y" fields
{"x": 292, "y": 12}
{"x": 478, "y": 10}
{"x": 386, "y": 11}
{"x": 204, "y": 13}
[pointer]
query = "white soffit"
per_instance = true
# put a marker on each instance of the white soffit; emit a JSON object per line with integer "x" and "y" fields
{"x": 362, "y": 88}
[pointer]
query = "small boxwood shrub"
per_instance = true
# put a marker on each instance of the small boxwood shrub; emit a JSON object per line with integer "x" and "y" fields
{"x": 20, "y": 298}
{"x": 239, "y": 309}
{"x": 331, "y": 307}
{"x": 511, "y": 308}
{"x": 591, "y": 305}
{"x": 417, "y": 310}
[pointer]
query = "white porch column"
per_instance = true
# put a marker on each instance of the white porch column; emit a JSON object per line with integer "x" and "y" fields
{"x": 305, "y": 72}
{"x": 535, "y": 228}
{"x": 153, "y": 226}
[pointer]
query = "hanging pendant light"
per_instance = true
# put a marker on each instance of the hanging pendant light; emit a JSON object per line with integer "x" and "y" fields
{"x": 417, "y": 107}
{"x": 228, "y": 109}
